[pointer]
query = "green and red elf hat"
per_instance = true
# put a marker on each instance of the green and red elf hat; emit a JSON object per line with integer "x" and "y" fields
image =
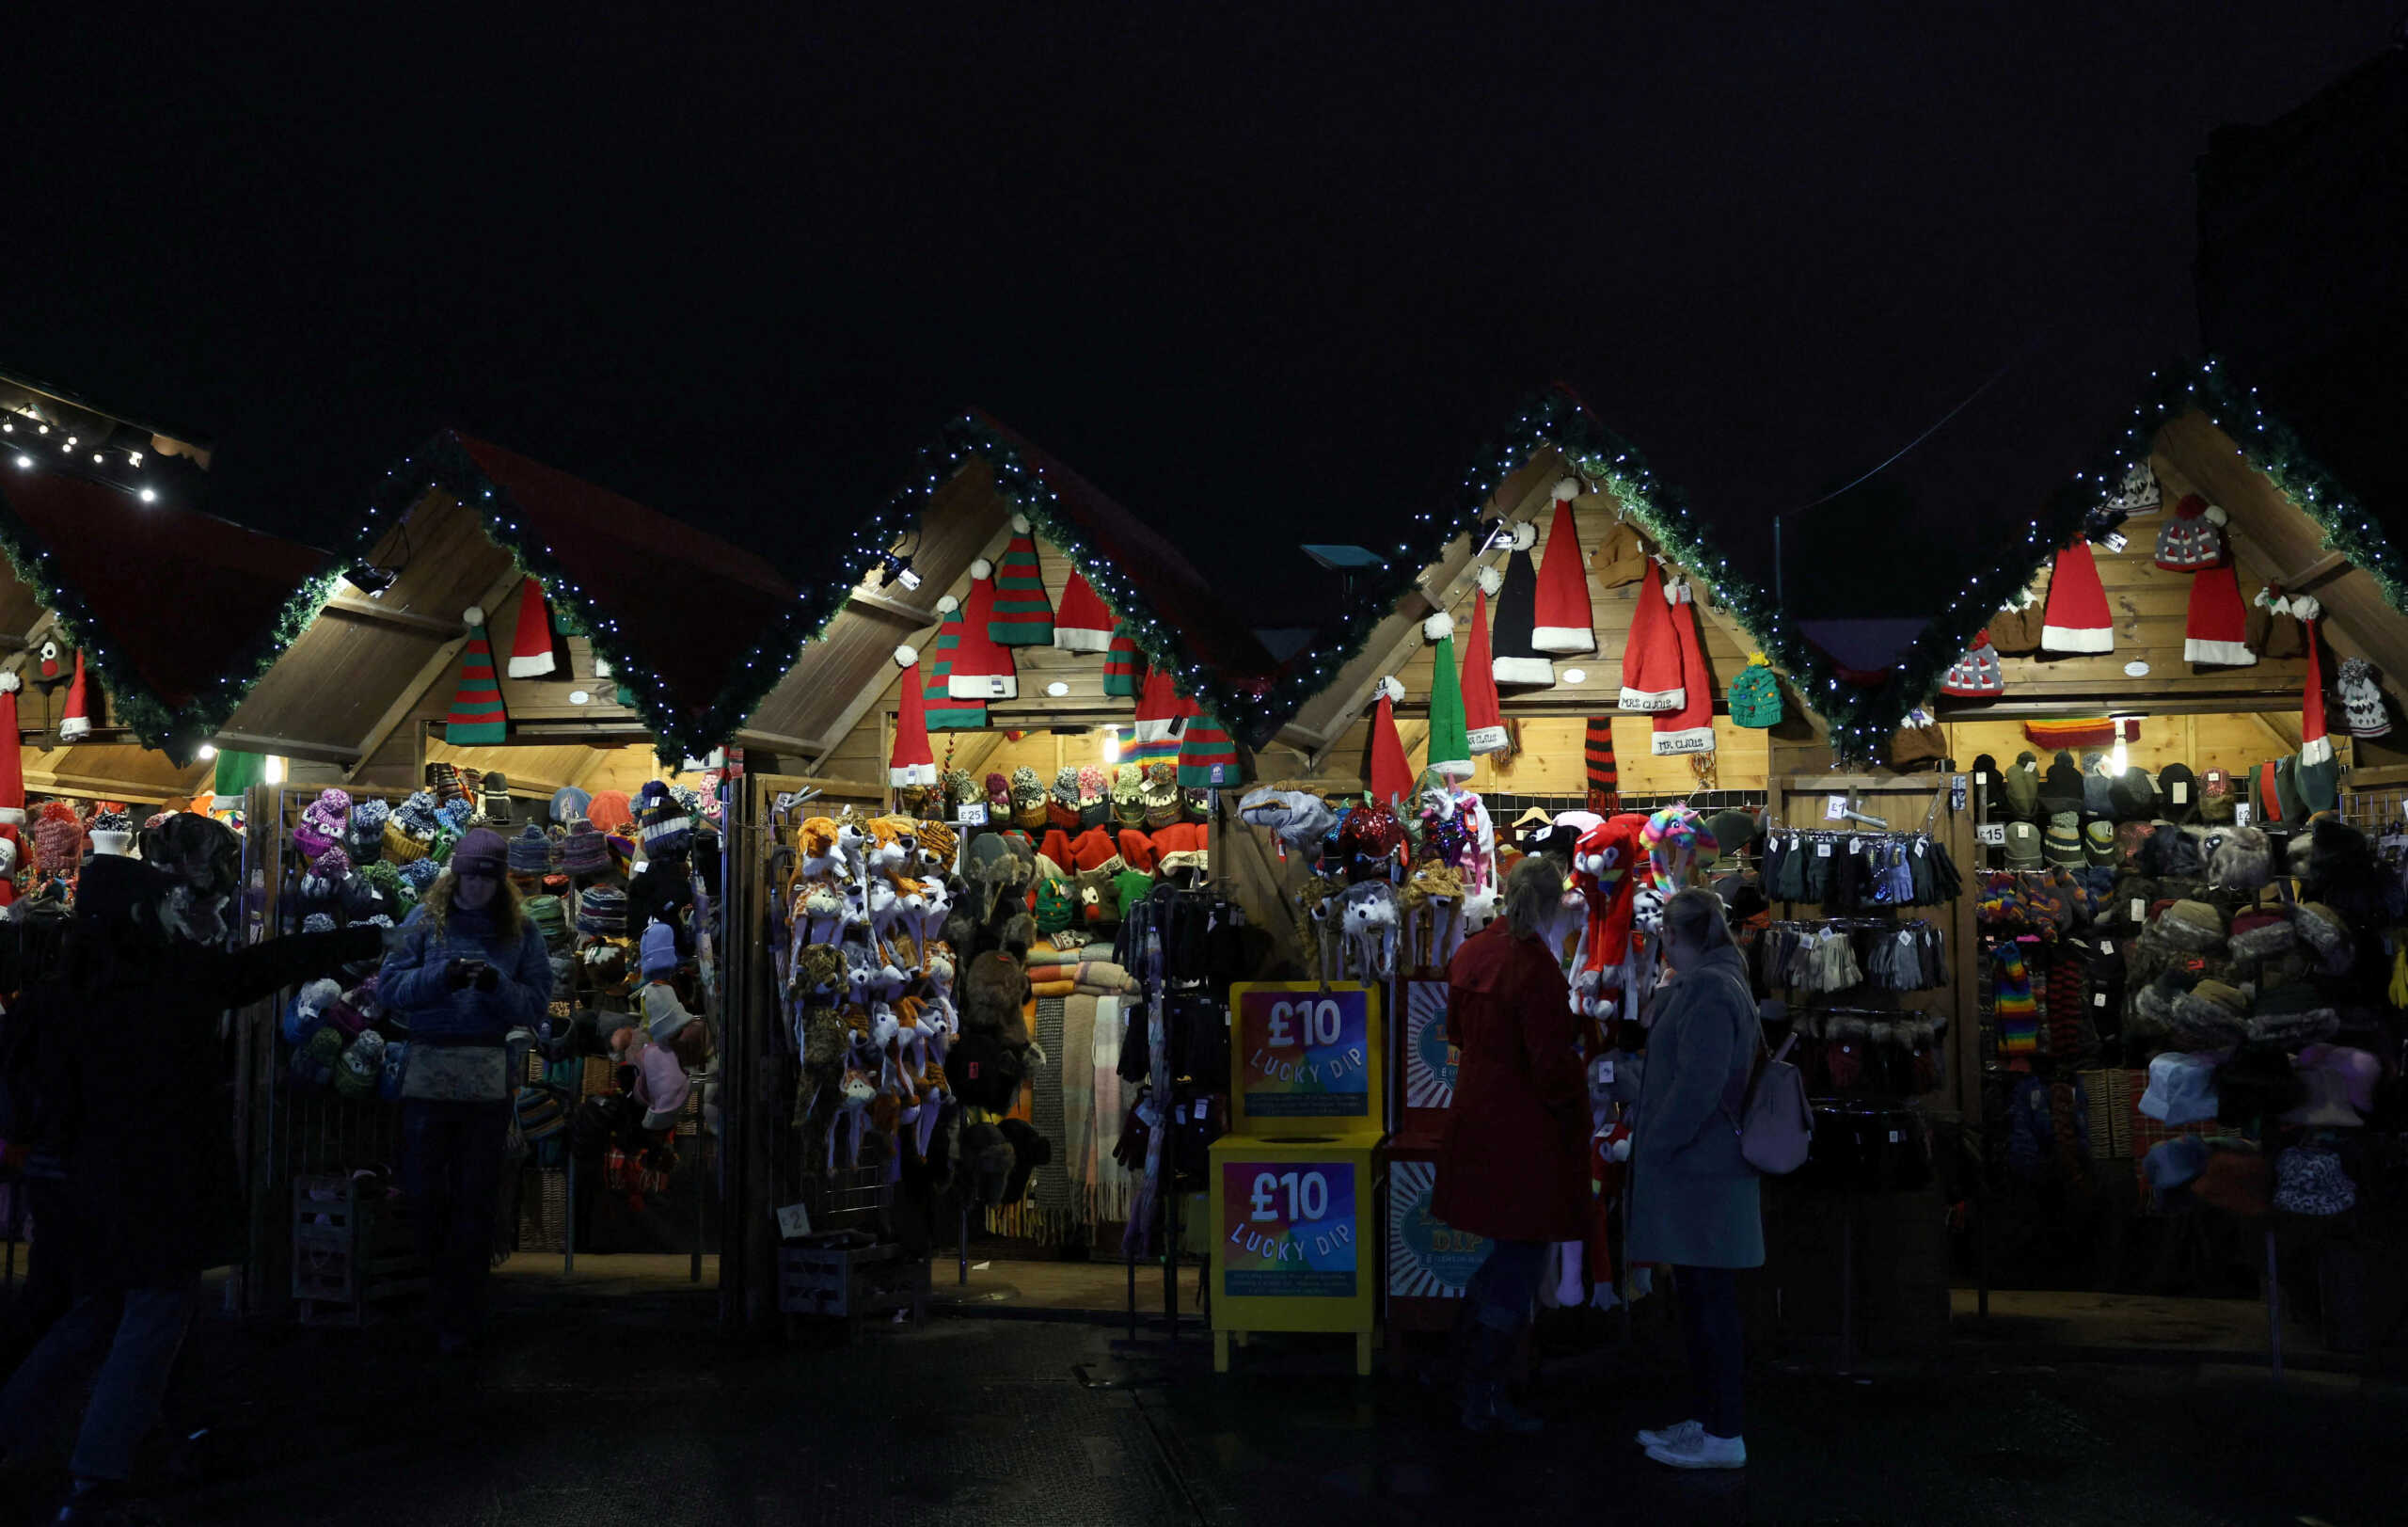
{"x": 1021, "y": 617}
{"x": 477, "y": 717}
{"x": 941, "y": 711}
{"x": 1124, "y": 666}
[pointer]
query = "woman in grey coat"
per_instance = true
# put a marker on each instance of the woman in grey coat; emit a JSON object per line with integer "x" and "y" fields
{"x": 1693, "y": 1199}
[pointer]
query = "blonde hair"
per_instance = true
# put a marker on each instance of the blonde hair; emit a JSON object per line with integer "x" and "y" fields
{"x": 1533, "y": 895}
{"x": 508, "y": 912}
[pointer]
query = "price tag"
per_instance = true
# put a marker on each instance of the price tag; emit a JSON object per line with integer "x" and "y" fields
{"x": 1835, "y": 807}
{"x": 1855, "y": 845}
{"x": 793, "y": 1221}
{"x": 1991, "y": 833}
{"x": 2106, "y": 945}
{"x": 971, "y": 814}
{"x": 2115, "y": 541}
{"x": 1919, "y": 846}
{"x": 2240, "y": 814}
{"x": 2140, "y": 910}
{"x": 2179, "y": 793}
{"x": 1822, "y": 851}
{"x": 2097, "y": 999}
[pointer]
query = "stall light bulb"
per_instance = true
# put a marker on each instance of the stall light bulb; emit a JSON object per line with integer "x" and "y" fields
{"x": 1111, "y": 745}
{"x": 2119, "y": 760}
{"x": 206, "y": 751}
{"x": 579, "y": 697}
{"x": 1057, "y": 689}
{"x": 274, "y": 770}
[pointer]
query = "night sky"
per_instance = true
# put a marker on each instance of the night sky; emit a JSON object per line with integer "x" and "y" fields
{"x": 1265, "y": 280}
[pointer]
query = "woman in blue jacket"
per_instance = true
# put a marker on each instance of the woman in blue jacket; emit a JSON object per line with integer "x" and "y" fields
{"x": 468, "y": 967}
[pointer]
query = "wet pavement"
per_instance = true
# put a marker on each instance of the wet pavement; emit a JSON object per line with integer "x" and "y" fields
{"x": 597, "y": 1410}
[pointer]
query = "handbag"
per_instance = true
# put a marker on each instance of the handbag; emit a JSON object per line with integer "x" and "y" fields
{"x": 456, "y": 1073}
{"x": 1775, "y": 1124}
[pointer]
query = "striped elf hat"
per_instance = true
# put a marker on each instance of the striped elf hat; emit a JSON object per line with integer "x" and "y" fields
{"x": 941, "y": 712}
{"x": 982, "y": 667}
{"x": 1605, "y": 775}
{"x": 1124, "y": 666}
{"x": 1162, "y": 711}
{"x": 1208, "y": 755}
{"x": 1021, "y": 617}
{"x": 476, "y": 718}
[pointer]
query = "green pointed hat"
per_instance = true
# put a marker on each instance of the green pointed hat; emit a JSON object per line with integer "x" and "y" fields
{"x": 1449, "y": 740}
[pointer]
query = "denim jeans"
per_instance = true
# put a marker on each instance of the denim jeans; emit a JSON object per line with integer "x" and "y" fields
{"x": 141, "y": 1330}
{"x": 1709, "y": 1300}
{"x": 451, "y": 1155}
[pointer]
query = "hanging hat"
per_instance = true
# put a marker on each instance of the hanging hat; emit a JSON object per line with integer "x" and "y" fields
{"x": 982, "y": 667}
{"x": 1756, "y": 694}
{"x": 1161, "y": 710}
{"x": 2078, "y": 620}
{"x": 2273, "y": 625}
{"x": 1650, "y": 662}
{"x": 1605, "y": 776}
{"x": 77, "y": 722}
{"x": 609, "y": 811}
{"x": 1391, "y": 776}
{"x": 663, "y": 819}
{"x": 1517, "y": 662}
{"x": 2216, "y": 631}
{"x": 531, "y": 645}
{"x": 2319, "y": 774}
{"x": 2138, "y": 494}
{"x": 1082, "y": 624}
{"x": 476, "y": 718}
{"x": 1449, "y": 750}
{"x": 1208, "y": 755}
{"x": 2362, "y": 708}
{"x": 569, "y": 804}
{"x": 1689, "y": 729}
{"x": 1124, "y": 666}
{"x": 13, "y": 764}
{"x": 2189, "y": 540}
{"x": 1978, "y": 674}
{"x": 940, "y": 711}
{"x": 1021, "y": 617}
{"x": 912, "y": 762}
{"x": 54, "y": 659}
{"x": 1561, "y": 622}
{"x": 1483, "y": 724}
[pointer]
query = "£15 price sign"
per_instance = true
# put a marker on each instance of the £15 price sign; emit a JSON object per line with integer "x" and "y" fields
{"x": 1304, "y": 1052}
{"x": 1290, "y": 1229}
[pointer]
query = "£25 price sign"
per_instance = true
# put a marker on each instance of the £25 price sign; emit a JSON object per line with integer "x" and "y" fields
{"x": 1305, "y": 1053}
{"x": 1290, "y": 1229}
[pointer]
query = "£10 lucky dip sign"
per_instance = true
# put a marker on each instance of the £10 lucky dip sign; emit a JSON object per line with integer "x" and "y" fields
{"x": 1306, "y": 1057}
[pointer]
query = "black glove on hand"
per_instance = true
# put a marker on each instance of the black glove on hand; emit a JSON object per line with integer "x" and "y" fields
{"x": 458, "y": 974}
{"x": 488, "y": 979}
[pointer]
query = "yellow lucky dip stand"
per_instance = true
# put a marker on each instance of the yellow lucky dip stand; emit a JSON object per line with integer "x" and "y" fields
{"x": 1292, "y": 1183}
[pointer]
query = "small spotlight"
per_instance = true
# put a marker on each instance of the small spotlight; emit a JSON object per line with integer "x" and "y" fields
{"x": 25, "y": 461}
{"x": 579, "y": 697}
{"x": 208, "y": 751}
{"x": 149, "y": 495}
{"x": 1057, "y": 689}
{"x": 1576, "y": 676}
{"x": 368, "y": 577}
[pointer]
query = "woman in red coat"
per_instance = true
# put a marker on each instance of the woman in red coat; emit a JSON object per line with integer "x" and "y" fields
{"x": 1515, "y": 1166}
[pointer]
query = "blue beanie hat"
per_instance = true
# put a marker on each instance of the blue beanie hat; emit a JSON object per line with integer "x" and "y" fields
{"x": 659, "y": 949}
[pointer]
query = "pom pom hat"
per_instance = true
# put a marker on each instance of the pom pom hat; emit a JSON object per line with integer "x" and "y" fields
{"x": 1484, "y": 723}
{"x": 911, "y": 762}
{"x": 1450, "y": 743}
{"x": 1691, "y": 728}
{"x": 940, "y": 710}
{"x": 982, "y": 666}
{"x": 2078, "y": 620}
{"x": 1391, "y": 776}
{"x": 1561, "y": 621}
{"x": 1517, "y": 662}
{"x": 77, "y": 723}
{"x": 1081, "y": 623}
{"x": 12, "y": 765}
{"x": 1124, "y": 666}
{"x": 1978, "y": 674}
{"x": 1650, "y": 662}
{"x": 2190, "y": 538}
{"x": 1021, "y": 617}
{"x": 476, "y": 718}
{"x": 531, "y": 645}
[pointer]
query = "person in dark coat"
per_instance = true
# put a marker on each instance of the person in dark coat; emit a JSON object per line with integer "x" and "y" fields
{"x": 1694, "y": 1198}
{"x": 466, "y": 968}
{"x": 1514, "y": 1165}
{"x": 132, "y": 1106}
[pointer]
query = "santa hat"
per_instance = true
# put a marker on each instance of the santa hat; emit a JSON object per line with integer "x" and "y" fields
{"x": 1391, "y": 776}
{"x": 1605, "y": 775}
{"x": 912, "y": 762}
{"x": 12, "y": 758}
{"x": 1124, "y": 666}
{"x": 1483, "y": 727}
{"x": 2216, "y": 631}
{"x": 476, "y": 718}
{"x": 1082, "y": 624}
{"x": 1022, "y": 618}
{"x": 1651, "y": 660}
{"x": 1689, "y": 729}
{"x": 1978, "y": 674}
{"x": 530, "y": 646}
{"x": 1450, "y": 739}
{"x": 2188, "y": 540}
{"x": 940, "y": 710}
{"x": 1161, "y": 712}
{"x": 77, "y": 723}
{"x": 2315, "y": 746}
{"x": 1561, "y": 622}
{"x": 1208, "y": 755}
{"x": 2077, "y": 620}
{"x": 1517, "y": 663}
{"x": 982, "y": 666}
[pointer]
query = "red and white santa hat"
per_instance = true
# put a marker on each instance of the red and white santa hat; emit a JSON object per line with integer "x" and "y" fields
{"x": 1484, "y": 723}
{"x": 2077, "y": 620}
{"x": 2315, "y": 745}
{"x": 1081, "y": 623}
{"x": 1391, "y": 778}
{"x": 12, "y": 757}
{"x": 1978, "y": 674}
{"x": 1650, "y": 663}
{"x": 1689, "y": 729}
{"x": 531, "y": 645}
{"x": 1562, "y": 623}
{"x": 2216, "y": 631}
{"x": 912, "y": 761}
{"x": 982, "y": 667}
{"x": 76, "y": 723}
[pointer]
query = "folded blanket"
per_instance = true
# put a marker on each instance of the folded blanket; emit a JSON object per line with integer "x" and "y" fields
{"x": 1116, "y": 1189}
{"x": 1078, "y": 1100}
{"x": 1055, "y": 988}
{"x": 1041, "y": 956}
{"x": 1102, "y": 973}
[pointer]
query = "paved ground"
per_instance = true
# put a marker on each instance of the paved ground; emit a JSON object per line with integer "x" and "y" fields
{"x": 628, "y": 1407}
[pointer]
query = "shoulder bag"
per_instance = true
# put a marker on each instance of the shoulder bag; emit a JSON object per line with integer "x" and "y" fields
{"x": 1775, "y": 1123}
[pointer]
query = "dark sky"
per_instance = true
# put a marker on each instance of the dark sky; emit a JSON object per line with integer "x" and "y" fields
{"x": 1263, "y": 279}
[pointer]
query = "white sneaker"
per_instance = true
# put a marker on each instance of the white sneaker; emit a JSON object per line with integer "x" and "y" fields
{"x": 1679, "y": 1433}
{"x": 1704, "y": 1451}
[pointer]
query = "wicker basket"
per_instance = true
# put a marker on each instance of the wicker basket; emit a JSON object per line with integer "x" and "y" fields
{"x": 399, "y": 847}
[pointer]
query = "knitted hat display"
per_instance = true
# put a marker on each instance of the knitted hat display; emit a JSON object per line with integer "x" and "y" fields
{"x": 910, "y": 761}
{"x": 2137, "y": 494}
{"x": 58, "y": 838}
{"x": 1756, "y": 694}
{"x": 1450, "y": 743}
{"x": 1208, "y": 755}
{"x": 2192, "y": 537}
{"x": 1124, "y": 666}
{"x": 531, "y": 645}
{"x": 1027, "y": 796}
{"x": 1604, "y": 774}
{"x": 324, "y": 823}
{"x": 666, "y": 826}
{"x": 364, "y": 836}
{"x": 113, "y": 832}
{"x": 2078, "y": 618}
{"x": 1162, "y": 711}
{"x": 1062, "y": 801}
{"x": 477, "y": 717}
{"x": 939, "y": 710}
{"x": 2017, "y": 1014}
{"x": 602, "y": 910}
{"x": 1561, "y": 620}
{"x": 12, "y": 757}
{"x": 76, "y": 723}
{"x": 493, "y": 797}
{"x": 1978, "y": 674}
{"x": 1082, "y": 624}
{"x": 582, "y": 851}
{"x": 982, "y": 667}
{"x": 1164, "y": 808}
{"x": 1021, "y": 617}
{"x": 1095, "y": 797}
{"x": 1691, "y": 728}
{"x": 2362, "y": 708}
{"x": 2319, "y": 772}
{"x": 2216, "y": 629}
{"x": 569, "y": 805}
{"x": 1127, "y": 795}
{"x": 1389, "y": 775}
{"x": 2274, "y": 629}
{"x": 609, "y": 811}
{"x": 1650, "y": 662}
{"x": 1484, "y": 723}
{"x": 2061, "y": 844}
{"x": 531, "y": 852}
{"x": 420, "y": 873}
{"x": 1515, "y": 660}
